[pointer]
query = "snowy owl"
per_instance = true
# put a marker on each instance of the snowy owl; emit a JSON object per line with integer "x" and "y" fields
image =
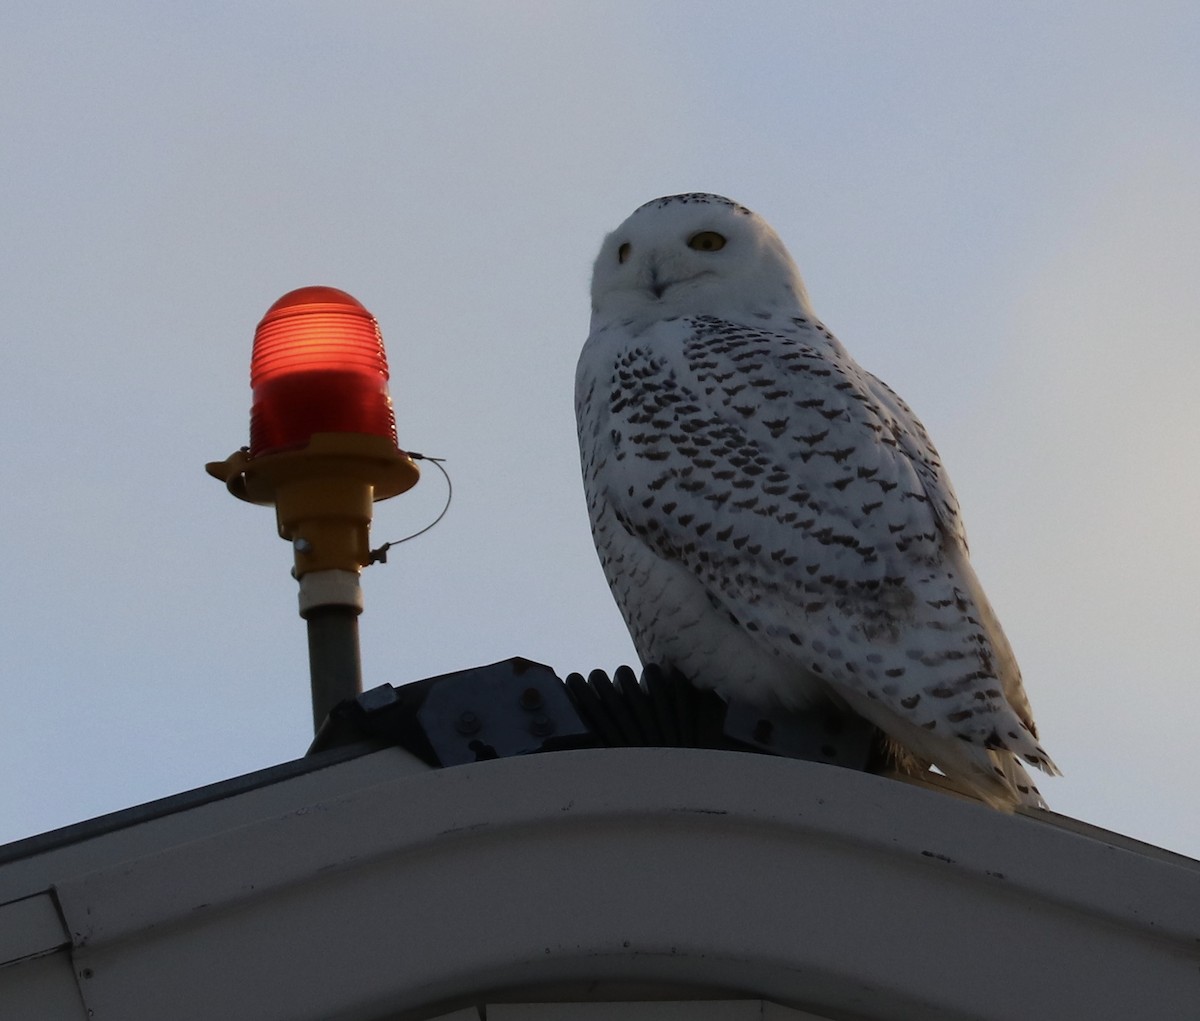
{"x": 773, "y": 520}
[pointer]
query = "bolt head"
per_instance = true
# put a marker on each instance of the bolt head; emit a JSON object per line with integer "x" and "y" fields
{"x": 468, "y": 723}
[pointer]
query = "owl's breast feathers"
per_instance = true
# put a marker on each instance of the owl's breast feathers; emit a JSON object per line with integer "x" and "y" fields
{"x": 780, "y": 430}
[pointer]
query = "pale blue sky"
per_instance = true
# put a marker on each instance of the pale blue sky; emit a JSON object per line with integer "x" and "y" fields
{"x": 995, "y": 208}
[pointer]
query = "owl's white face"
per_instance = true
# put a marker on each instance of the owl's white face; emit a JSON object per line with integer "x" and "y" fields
{"x": 694, "y": 254}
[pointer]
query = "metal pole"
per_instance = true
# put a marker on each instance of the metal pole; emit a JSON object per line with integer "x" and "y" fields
{"x": 330, "y": 602}
{"x": 333, "y": 658}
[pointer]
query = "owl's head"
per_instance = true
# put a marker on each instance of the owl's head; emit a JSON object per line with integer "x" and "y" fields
{"x": 694, "y": 254}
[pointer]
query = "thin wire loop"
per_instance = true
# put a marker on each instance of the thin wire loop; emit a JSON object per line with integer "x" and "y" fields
{"x": 379, "y": 556}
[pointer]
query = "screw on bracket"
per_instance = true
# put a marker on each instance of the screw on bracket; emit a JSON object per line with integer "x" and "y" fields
{"x": 468, "y": 723}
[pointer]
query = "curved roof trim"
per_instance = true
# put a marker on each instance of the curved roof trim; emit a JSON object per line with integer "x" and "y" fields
{"x": 821, "y": 888}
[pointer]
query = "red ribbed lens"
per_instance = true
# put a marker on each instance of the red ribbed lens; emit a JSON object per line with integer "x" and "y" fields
{"x": 318, "y": 367}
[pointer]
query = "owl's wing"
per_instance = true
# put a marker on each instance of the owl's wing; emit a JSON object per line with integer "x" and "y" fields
{"x": 943, "y": 501}
{"x": 916, "y": 445}
{"x": 811, "y": 505}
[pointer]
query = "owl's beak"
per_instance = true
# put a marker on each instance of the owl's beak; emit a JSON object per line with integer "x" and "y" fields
{"x": 657, "y": 287}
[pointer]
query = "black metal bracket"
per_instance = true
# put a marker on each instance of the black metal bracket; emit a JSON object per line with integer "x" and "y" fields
{"x": 519, "y": 707}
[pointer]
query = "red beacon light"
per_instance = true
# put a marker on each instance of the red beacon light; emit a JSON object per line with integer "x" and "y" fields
{"x": 322, "y": 451}
{"x": 322, "y": 431}
{"x": 319, "y": 366}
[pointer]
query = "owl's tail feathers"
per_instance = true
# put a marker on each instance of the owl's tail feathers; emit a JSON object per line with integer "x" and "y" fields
{"x": 995, "y": 776}
{"x": 1003, "y": 783}
{"x": 1017, "y": 781}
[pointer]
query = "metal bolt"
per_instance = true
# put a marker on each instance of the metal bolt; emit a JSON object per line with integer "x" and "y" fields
{"x": 531, "y": 699}
{"x": 302, "y": 546}
{"x": 541, "y": 726}
{"x": 468, "y": 723}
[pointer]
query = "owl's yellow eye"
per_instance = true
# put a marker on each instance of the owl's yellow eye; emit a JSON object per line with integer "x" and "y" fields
{"x": 623, "y": 252}
{"x": 707, "y": 241}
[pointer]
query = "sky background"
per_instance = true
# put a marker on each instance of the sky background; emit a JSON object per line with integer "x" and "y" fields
{"x": 995, "y": 208}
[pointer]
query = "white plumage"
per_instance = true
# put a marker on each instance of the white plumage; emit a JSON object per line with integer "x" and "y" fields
{"x": 772, "y": 519}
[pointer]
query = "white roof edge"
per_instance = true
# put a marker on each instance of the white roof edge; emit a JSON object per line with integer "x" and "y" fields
{"x": 810, "y": 885}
